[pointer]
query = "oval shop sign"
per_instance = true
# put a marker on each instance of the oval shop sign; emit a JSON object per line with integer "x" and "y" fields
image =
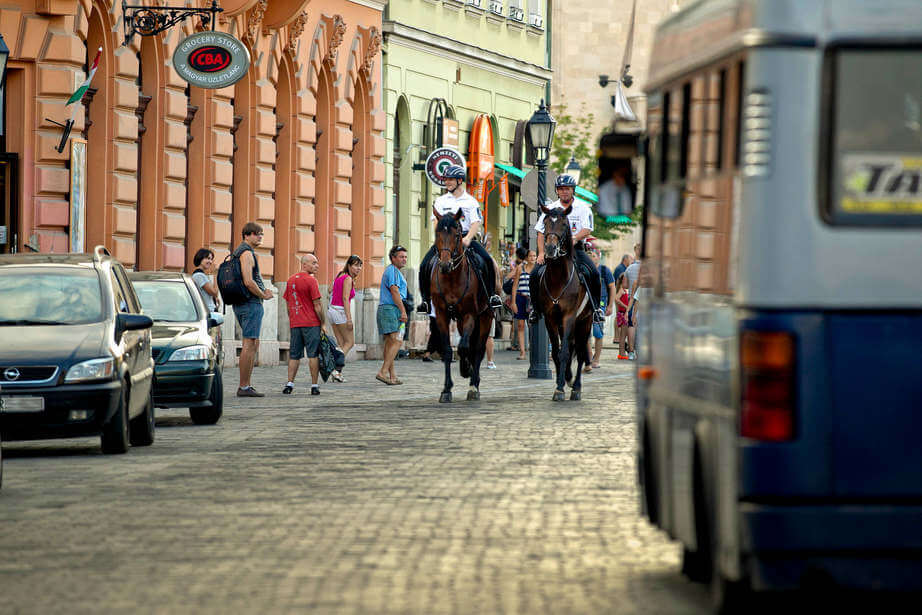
{"x": 211, "y": 59}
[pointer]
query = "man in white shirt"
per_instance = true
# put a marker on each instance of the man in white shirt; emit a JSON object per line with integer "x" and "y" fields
{"x": 449, "y": 203}
{"x": 581, "y": 225}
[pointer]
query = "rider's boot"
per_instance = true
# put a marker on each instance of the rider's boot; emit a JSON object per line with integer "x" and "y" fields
{"x": 534, "y": 316}
{"x": 495, "y": 302}
{"x": 598, "y": 316}
{"x": 423, "y": 307}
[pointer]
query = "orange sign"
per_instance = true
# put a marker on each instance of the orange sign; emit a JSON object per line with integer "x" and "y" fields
{"x": 504, "y": 190}
{"x": 480, "y": 151}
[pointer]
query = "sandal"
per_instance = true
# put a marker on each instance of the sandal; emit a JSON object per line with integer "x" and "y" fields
{"x": 380, "y": 379}
{"x": 396, "y": 381}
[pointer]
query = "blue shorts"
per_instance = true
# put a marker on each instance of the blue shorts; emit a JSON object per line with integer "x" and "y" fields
{"x": 388, "y": 318}
{"x": 597, "y": 331}
{"x": 304, "y": 339}
{"x": 521, "y": 307}
{"x": 250, "y": 318}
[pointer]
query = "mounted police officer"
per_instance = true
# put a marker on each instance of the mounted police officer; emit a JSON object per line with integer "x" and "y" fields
{"x": 581, "y": 225}
{"x": 449, "y": 203}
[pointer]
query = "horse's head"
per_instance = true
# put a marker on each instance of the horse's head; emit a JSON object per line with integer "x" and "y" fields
{"x": 448, "y": 240}
{"x": 558, "y": 240}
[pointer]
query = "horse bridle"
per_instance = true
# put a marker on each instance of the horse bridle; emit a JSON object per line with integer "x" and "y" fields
{"x": 454, "y": 258}
{"x": 560, "y": 250}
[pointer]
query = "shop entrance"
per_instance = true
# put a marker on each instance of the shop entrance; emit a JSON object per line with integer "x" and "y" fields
{"x": 9, "y": 203}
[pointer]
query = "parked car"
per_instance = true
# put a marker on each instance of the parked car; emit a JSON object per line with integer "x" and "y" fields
{"x": 187, "y": 350}
{"x": 76, "y": 354}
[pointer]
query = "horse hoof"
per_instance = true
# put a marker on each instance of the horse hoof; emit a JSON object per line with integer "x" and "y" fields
{"x": 444, "y": 398}
{"x": 576, "y": 395}
{"x": 473, "y": 395}
{"x": 558, "y": 396}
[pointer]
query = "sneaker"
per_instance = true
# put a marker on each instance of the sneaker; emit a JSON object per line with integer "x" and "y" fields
{"x": 427, "y": 359}
{"x": 622, "y": 357}
{"x": 315, "y": 390}
{"x": 423, "y": 307}
{"x": 632, "y": 356}
{"x": 288, "y": 389}
{"x": 491, "y": 365}
{"x": 249, "y": 392}
{"x": 337, "y": 376}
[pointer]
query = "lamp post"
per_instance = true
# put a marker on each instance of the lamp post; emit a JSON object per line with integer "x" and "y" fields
{"x": 573, "y": 170}
{"x": 541, "y": 130}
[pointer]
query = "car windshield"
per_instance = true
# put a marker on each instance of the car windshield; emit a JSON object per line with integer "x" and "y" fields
{"x": 49, "y": 296}
{"x": 166, "y": 301}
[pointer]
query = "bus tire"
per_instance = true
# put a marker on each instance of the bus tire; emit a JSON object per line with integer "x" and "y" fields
{"x": 698, "y": 565}
{"x": 651, "y": 499}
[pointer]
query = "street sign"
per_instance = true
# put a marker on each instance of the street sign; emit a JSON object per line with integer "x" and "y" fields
{"x": 439, "y": 161}
{"x": 530, "y": 187}
{"x": 211, "y": 59}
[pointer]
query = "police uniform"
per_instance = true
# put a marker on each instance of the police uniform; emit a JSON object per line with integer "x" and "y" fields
{"x": 448, "y": 203}
{"x": 580, "y": 217}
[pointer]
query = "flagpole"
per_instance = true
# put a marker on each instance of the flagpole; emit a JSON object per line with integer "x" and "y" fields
{"x": 75, "y": 99}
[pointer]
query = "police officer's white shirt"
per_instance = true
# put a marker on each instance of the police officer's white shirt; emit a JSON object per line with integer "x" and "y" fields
{"x": 580, "y": 217}
{"x": 449, "y": 204}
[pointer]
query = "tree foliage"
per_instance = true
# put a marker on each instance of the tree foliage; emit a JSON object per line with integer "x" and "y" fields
{"x": 574, "y": 138}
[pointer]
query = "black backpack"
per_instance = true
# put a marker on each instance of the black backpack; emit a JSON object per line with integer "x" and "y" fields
{"x": 230, "y": 282}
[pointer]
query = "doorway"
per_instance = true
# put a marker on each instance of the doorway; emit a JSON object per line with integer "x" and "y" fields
{"x": 9, "y": 203}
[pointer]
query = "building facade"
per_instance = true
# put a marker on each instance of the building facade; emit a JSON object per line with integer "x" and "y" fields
{"x": 483, "y": 64}
{"x": 156, "y": 169}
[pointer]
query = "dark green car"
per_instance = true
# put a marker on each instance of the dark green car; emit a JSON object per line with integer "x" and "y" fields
{"x": 186, "y": 339}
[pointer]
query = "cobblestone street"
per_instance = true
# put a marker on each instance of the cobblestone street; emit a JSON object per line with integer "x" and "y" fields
{"x": 366, "y": 499}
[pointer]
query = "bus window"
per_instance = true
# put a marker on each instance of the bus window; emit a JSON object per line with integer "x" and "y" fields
{"x": 721, "y": 106}
{"x": 665, "y": 154}
{"x": 685, "y": 130}
{"x": 740, "y": 89}
{"x": 876, "y": 137}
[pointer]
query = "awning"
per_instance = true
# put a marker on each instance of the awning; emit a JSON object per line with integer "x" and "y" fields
{"x": 519, "y": 174}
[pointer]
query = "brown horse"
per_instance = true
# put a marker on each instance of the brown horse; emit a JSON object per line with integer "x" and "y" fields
{"x": 565, "y": 303}
{"x": 458, "y": 295}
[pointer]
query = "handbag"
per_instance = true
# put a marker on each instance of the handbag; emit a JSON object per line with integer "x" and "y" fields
{"x": 507, "y": 286}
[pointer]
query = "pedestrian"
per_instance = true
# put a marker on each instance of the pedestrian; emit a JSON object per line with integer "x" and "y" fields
{"x": 305, "y": 317}
{"x": 341, "y": 308}
{"x": 633, "y": 276}
{"x": 626, "y": 260}
{"x": 522, "y": 295}
{"x": 608, "y": 291}
{"x": 250, "y": 313}
{"x": 622, "y": 302}
{"x": 392, "y": 316}
{"x": 202, "y": 276}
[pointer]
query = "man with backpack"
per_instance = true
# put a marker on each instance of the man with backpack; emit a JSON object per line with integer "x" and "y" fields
{"x": 248, "y": 302}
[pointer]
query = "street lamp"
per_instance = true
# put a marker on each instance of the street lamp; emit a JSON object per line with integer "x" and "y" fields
{"x": 573, "y": 170}
{"x": 541, "y": 130}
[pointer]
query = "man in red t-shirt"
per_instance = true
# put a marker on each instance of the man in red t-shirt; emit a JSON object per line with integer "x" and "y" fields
{"x": 305, "y": 317}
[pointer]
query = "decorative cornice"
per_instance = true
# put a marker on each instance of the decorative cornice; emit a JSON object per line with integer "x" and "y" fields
{"x": 295, "y": 29}
{"x": 254, "y": 21}
{"x": 414, "y": 38}
{"x": 336, "y": 38}
{"x": 374, "y": 46}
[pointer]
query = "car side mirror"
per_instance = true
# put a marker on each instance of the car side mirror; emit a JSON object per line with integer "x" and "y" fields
{"x": 215, "y": 319}
{"x": 131, "y": 322}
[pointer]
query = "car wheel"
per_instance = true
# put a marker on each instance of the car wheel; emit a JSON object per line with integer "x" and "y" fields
{"x": 211, "y": 414}
{"x": 142, "y": 427}
{"x": 115, "y": 431}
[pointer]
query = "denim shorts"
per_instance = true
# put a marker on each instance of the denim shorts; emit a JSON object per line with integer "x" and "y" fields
{"x": 598, "y": 332}
{"x": 250, "y": 318}
{"x": 304, "y": 339}
{"x": 388, "y": 318}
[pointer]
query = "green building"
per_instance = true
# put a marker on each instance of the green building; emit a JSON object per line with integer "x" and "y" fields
{"x": 458, "y": 60}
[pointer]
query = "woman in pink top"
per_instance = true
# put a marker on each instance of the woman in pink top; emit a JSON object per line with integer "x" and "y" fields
{"x": 340, "y": 307}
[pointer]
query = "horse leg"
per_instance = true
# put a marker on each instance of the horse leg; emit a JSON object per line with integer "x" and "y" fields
{"x": 446, "y": 358}
{"x": 581, "y": 332}
{"x": 465, "y": 326}
{"x": 481, "y": 332}
{"x": 565, "y": 357}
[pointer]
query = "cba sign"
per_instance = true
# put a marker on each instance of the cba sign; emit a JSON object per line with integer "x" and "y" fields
{"x": 438, "y": 162}
{"x": 211, "y": 60}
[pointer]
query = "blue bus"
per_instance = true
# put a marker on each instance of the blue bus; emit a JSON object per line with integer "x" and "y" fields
{"x": 779, "y": 372}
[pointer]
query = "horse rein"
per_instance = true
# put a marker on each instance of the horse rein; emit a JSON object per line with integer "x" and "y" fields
{"x": 556, "y": 299}
{"x": 454, "y": 259}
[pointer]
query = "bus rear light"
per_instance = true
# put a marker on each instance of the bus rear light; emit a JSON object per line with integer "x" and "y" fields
{"x": 767, "y": 362}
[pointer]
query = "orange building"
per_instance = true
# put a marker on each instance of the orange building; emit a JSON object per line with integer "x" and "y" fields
{"x": 296, "y": 145}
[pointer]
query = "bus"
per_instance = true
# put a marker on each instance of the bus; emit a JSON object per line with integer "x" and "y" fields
{"x": 779, "y": 378}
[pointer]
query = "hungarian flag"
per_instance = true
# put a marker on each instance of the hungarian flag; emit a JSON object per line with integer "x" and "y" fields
{"x": 78, "y": 95}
